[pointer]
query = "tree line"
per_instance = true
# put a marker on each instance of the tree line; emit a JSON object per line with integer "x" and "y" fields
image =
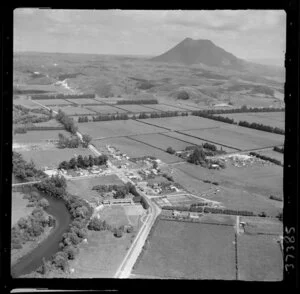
{"x": 279, "y": 149}
{"x": 141, "y": 101}
{"x": 261, "y": 127}
{"x": 83, "y": 162}
{"x": 242, "y": 109}
{"x": 214, "y": 117}
{"x": 62, "y": 96}
{"x": 67, "y": 122}
{"x": 73, "y": 141}
{"x": 267, "y": 158}
{"x": 24, "y": 170}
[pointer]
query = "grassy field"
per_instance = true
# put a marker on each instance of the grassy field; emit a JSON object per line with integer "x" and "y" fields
{"x": 102, "y": 109}
{"x": 258, "y": 225}
{"x": 26, "y": 103}
{"x": 19, "y": 208}
{"x": 163, "y": 107}
{"x": 276, "y": 119}
{"x": 136, "y": 108}
{"x": 161, "y": 141}
{"x": 183, "y": 123}
{"x": 50, "y": 123}
{"x": 117, "y": 128}
{"x": 38, "y": 136}
{"x": 259, "y": 258}
{"x": 53, "y": 102}
{"x": 52, "y": 158}
{"x": 83, "y": 187}
{"x": 73, "y": 110}
{"x": 273, "y": 154}
{"x": 195, "y": 141}
{"x": 101, "y": 256}
{"x": 238, "y": 137}
{"x": 198, "y": 251}
{"x": 114, "y": 215}
{"x": 245, "y": 188}
{"x": 84, "y": 101}
{"x": 136, "y": 149}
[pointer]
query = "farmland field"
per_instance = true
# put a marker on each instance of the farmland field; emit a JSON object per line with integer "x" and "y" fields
{"x": 259, "y": 258}
{"x": 163, "y": 107}
{"x": 183, "y": 122}
{"x": 114, "y": 215}
{"x": 101, "y": 256}
{"x": 26, "y": 103}
{"x": 136, "y": 149}
{"x": 196, "y": 141}
{"x": 38, "y": 136}
{"x": 161, "y": 141}
{"x": 53, "y": 102}
{"x": 256, "y": 225}
{"x": 19, "y": 208}
{"x": 198, "y": 251}
{"x": 273, "y": 154}
{"x": 106, "y": 129}
{"x": 238, "y": 137}
{"x": 185, "y": 107}
{"x": 83, "y": 187}
{"x": 136, "y": 108}
{"x": 51, "y": 158}
{"x": 50, "y": 123}
{"x": 73, "y": 110}
{"x": 276, "y": 119}
{"x": 102, "y": 109}
{"x": 84, "y": 101}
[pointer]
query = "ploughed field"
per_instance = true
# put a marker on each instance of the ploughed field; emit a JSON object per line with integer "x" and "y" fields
{"x": 273, "y": 119}
{"x": 198, "y": 251}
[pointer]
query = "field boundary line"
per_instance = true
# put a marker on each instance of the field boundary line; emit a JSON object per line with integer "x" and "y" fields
{"x": 147, "y": 123}
{"x": 236, "y": 257}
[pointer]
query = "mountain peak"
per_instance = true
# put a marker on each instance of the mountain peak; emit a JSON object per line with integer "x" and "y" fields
{"x": 190, "y": 51}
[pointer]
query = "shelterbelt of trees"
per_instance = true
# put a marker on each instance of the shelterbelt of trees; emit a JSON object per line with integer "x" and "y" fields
{"x": 278, "y": 149}
{"x": 73, "y": 141}
{"x": 267, "y": 158}
{"x": 62, "y": 96}
{"x": 67, "y": 122}
{"x": 141, "y": 101}
{"x": 83, "y": 162}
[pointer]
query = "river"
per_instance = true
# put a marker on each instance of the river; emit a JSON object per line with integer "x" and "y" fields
{"x": 50, "y": 245}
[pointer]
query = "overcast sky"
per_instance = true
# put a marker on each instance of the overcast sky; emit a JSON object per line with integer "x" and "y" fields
{"x": 248, "y": 34}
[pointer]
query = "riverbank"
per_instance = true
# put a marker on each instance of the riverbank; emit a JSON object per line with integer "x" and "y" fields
{"x": 28, "y": 247}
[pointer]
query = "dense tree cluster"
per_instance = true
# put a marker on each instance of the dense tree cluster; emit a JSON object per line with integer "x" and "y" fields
{"x": 65, "y": 142}
{"x": 198, "y": 157}
{"x": 28, "y": 229}
{"x": 214, "y": 117}
{"x": 25, "y": 171}
{"x": 66, "y": 121}
{"x": 267, "y": 158}
{"x": 278, "y": 149}
{"x": 183, "y": 95}
{"x": 20, "y": 130}
{"x": 83, "y": 162}
{"x": 171, "y": 150}
{"x": 141, "y": 101}
{"x": 108, "y": 117}
{"x": 261, "y": 127}
{"x": 120, "y": 190}
{"x": 144, "y": 115}
{"x": 82, "y": 119}
{"x": 62, "y": 96}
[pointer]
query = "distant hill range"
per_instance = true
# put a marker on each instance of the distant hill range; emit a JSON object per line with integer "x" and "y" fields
{"x": 193, "y": 52}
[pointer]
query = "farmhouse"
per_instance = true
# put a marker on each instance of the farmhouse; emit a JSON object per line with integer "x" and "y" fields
{"x": 116, "y": 201}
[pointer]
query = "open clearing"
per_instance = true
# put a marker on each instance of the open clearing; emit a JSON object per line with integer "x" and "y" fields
{"x": 103, "y": 109}
{"x": 83, "y": 187}
{"x": 136, "y": 149}
{"x": 178, "y": 123}
{"x": 107, "y": 129}
{"x": 259, "y": 258}
{"x": 258, "y": 225}
{"x": 161, "y": 141}
{"x": 198, "y": 251}
{"x": 238, "y": 137}
{"x": 38, "y": 136}
{"x": 274, "y": 120}
{"x": 19, "y": 208}
{"x": 114, "y": 215}
{"x": 101, "y": 256}
{"x": 73, "y": 110}
{"x": 52, "y": 158}
{"x": 50, "y": 123}
{"x": 47, "y": 102}
{"x": 27, "y": 103}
